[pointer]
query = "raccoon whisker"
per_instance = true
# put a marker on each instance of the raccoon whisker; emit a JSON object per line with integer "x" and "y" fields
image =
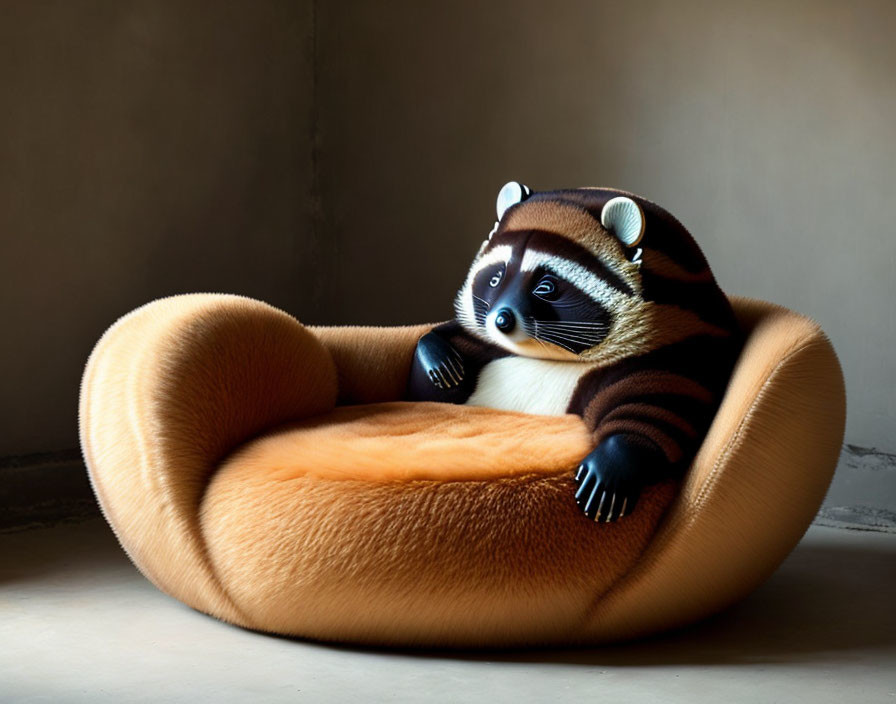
{"x": 464, "y": 317}
{"x": 480, "y": 310}
{"x": 574, "y": 328}
{"x": 573, "y": 336}
{"x": 555, "y": 304}
{"x": 555, "y": 321}
{"x": 530, "y": 327}
{"x": 588, "y": 342}
{"x": 533, "y": 333}
{"x": 555, "y": 339}
{"x": 569, "y": 343}
{"x": 555, "y": 336}
{"x": 561, "y": 344}
{"x": 584, "y": 332}
{"x": 571, "y": 323}
{"x": 480, "y": 300}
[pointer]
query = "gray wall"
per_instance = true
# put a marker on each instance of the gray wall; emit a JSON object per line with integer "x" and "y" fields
{"x": 151, "y": 148}
{"x": 146, "y": 149}
{"x": 767, "y": 127}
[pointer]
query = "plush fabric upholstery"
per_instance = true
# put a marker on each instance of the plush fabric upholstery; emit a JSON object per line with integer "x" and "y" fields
{"x": 268, "y": 474}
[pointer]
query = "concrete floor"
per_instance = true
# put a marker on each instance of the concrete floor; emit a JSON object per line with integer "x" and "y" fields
{"x": 79, "y": 624}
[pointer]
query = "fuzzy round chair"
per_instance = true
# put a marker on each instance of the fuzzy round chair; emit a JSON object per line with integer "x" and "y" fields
{"x": 267, "y": 474}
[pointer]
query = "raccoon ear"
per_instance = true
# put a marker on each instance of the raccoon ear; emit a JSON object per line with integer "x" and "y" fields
{"x": 625, "y": 218}
{"x": 511, "y": 193}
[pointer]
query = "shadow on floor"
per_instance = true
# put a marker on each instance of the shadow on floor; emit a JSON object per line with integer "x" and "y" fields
{"x": 826, "y": 602}
{"x": 830, "y": 600}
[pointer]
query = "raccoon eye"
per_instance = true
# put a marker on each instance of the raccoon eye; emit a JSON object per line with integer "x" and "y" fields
{"x": 496, "y": 279}
{"x": 547, "y": 288}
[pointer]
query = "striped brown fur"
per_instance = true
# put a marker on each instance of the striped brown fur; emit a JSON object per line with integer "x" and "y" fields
{"x": 655, "y": 345}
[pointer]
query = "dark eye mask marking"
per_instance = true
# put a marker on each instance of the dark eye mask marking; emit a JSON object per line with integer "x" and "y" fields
{"x": 559, "y": 246}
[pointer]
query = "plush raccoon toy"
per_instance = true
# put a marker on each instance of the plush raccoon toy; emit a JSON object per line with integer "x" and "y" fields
{"x": 594, "y": 302}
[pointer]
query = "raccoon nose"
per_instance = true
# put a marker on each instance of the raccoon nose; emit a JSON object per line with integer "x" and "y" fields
{"x": 505, "y": 321}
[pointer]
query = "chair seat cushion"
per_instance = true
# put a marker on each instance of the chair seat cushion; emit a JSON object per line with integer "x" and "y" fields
{"x": 423, "y": 522}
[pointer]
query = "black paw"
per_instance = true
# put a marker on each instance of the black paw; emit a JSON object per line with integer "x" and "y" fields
{"x": 611, "y": 477}
{"x": 441, "y": 363}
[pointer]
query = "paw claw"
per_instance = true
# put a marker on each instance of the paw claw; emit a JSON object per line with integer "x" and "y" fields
{"x": 442, "y": 363}
{"x": 600, "y": 507}
{"x": 454, "y": 366}
{"x": 583, "y": 489}
{"x": 449, "y": 372}
{"x": 610, "y": 516}
{"x": 591, "y": 499}
{"x": 608, "y": 485}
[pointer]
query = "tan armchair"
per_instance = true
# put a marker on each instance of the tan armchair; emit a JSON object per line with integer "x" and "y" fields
{"x": 266, "y": 473}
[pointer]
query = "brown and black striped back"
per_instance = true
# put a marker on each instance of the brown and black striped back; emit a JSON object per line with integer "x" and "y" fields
{"x": 670, "y": 393}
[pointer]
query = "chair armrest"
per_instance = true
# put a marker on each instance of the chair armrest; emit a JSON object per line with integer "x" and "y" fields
{"x": 168, "y": 391}
{"x": 373, "y": 363}
{"x": 753, "y": 488}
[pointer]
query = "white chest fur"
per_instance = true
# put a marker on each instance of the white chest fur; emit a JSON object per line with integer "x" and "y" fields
{"x": 528, "y": 385}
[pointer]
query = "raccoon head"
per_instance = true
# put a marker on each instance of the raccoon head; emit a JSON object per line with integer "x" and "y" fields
{"x": 560, "y": 277}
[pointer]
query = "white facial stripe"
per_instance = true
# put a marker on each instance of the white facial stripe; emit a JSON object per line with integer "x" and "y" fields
{"x": 500, "y": 254}
{"x": 586, "y": 281}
